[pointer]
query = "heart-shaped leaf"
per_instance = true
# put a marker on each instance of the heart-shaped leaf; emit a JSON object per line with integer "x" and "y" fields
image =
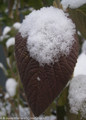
{"x": 42, "y": 84}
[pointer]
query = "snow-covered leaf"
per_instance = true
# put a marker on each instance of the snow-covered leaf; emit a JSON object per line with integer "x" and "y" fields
{"x": 77, "y": 95}
{"x": 10, "y": 42}
{"x": 84, "y": 47}
{"x": 3, "y": 68}
{"x": 6, "y": 30}
{"x": 73, "y": 4}
{"x": 49, "y": 36}
{"x": 17, "y": 25}
{"x": 80, "y": 68}
{"x": 11, "y": 86}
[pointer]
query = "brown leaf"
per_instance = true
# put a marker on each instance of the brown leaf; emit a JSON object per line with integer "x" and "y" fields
{"x": 53, "y": 78}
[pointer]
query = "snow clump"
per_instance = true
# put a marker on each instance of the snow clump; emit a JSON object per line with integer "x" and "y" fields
{"x": 50, "y": 34}
{"x": 77, "y": 95}
{"x": 10, "y": 42}
{"x": 80, "y": 68}
{"x": 11, "y": 85}
{"x": 6, "y": 30}
{"x": 84, "y": 47}
{"x": 17, "y": 25}
{"x": 31, "y": 9}
{"x": 72, "y": 3}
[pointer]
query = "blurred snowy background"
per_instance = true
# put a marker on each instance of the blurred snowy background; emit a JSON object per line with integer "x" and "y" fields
{"x": 72, "y": 102}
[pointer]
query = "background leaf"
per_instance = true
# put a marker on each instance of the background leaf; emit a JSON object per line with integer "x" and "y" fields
{"x": 79, "y": 18}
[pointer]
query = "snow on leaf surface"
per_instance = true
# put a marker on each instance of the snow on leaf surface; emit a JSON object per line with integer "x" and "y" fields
{"x": 8, "y": 61}
{"x": 50, "y": 34}
{"x": 6, "y": 30}
{"x": 72, "y": 3}
{"x": 3, "y": 37}
{"x": 11, "y": 85}
{"x": 1, "y": 65}
{"x": 17, "y": 25}
{"x": 80, "y": 68}
{"x": 31, "y": 9}
{"x": 10, "y": 42}
{"x": 6, "y": 96}
{"x": 77, "y": 95}
{"x": 84, "y": 47}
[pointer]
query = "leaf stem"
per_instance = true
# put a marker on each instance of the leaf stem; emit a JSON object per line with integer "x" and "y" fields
{"x": 57, "y": 4}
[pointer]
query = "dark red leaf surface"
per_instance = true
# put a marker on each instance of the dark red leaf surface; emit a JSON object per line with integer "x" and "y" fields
{"x": 40, "y": 94}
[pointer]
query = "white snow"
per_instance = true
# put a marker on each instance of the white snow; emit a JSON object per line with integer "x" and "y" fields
{"x": 50, "y": 34}
{"x": 6, "y": 10}
{"x": 8, "y": 61}
{"x": 6, "y": 30}
{"x": 31, "y": 9}
{"x": 84, "y": 47}
{"x": 24, "y": 112}
{"x": 5, "y": 109}
{"x": 2, "y": 109}
{"x": 80, "y": 68}
{"x": 48, "y": 118}
{"x": 3, "y": 37}
{"x": 11, "y": 85}
{"x": 79, "y": 33}
{"x": 44, "y": 118}
{"x": 72, "y": 3}
{"x": 6, "y": 96}
{"x": 1, "y": 65}
{"x": 3, "y": 68}
{"x": 17, "y": 25}
{"x": 77, "y": 95}
{"x": 10, "y": 42}
{"x": 38, "y": 79}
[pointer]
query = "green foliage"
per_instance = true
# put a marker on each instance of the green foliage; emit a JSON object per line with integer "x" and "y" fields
{"x": 3, "y": 5}
{"x": 47, "y": 2}
{"x": 31, "y": 3}
{"x": 51, "y": 108}
{"x": 62, "y": 100}
{"x": 71, "y": 116}
{"x": 35, "y": 3}
{"x": 79, "y": 17}
{"x": 61, "y": 103}
{"x": 12, "y": 32}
